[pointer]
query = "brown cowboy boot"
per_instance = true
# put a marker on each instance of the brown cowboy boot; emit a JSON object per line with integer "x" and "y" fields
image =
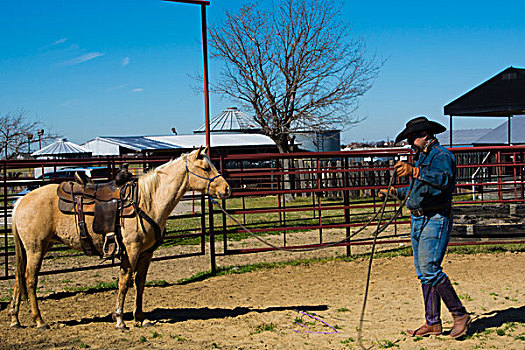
{"x": 460, "y": 327}
{"x": 432, "y": 325}
{"x": 459, "y": 313}
{"x": 426, "y": 330}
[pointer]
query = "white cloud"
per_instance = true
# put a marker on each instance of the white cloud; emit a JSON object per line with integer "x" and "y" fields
{"x": 118, "y": 87}
{"x": 125, "y": 61}
{"x": 71, "y": 102}
{"x": 137, "y": 90}
{"x": 59, "y": 41}
{"x": 84, "y": 58}
{"x": 53, "y": 44}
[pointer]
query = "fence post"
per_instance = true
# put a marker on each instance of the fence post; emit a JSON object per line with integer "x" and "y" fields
{"x": 224, "y": 235}
{"x": 319, "y": 193}
{"x": 212, "y": 236}
{"x": 346, "y": 204}
{"x": 6, "y": 255}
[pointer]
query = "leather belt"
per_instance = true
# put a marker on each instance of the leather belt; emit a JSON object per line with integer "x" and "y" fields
{"x": 417, "y": 213}
{"x": 431, "y": 212}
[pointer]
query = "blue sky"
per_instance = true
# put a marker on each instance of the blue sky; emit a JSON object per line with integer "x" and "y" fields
{"x": 101, "y": 68}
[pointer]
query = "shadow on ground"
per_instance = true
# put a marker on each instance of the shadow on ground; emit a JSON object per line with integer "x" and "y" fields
{"x": 497, "y": 318}
{"x": 175, "y": 315}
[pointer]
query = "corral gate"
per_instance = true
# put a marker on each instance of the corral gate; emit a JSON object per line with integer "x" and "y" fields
{"x": 283, "y": 196}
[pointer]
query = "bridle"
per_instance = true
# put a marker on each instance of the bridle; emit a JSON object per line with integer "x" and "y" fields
{"x": 209, "y": 179}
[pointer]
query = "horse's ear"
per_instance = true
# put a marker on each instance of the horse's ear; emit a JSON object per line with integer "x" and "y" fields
{"x": 198, "y": 153}
{"x": 201, "y": 151}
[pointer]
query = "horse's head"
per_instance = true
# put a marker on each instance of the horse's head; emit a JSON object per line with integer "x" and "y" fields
{"x": 204, "y": 177}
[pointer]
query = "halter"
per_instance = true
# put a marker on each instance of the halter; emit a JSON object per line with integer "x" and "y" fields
{"x": 210, "y": 179}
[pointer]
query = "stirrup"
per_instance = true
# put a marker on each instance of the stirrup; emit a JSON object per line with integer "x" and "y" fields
{"x": 111, "y": 248}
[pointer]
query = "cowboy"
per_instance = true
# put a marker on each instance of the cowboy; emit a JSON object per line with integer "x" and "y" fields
{"x": 429, "y": 201}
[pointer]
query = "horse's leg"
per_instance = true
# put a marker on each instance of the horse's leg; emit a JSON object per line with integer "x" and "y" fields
{"x": 140, "y": 281}
{"x": 15, "y": 305}
{"x": 34, "y": 262}
{"x": 129, "y": 261}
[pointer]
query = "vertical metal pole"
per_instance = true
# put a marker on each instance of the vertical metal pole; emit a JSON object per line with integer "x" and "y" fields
{"x": 6, "y": 264}
{"x": 205, "y": 72}
{"x": 450, "y": 131}
{"x": 509, "y": 130}
{"x": 224, "y": 223}
{"x": 319, "y": 194}
{"x": 346, "y": 203}
{"x": 207, "y": 126}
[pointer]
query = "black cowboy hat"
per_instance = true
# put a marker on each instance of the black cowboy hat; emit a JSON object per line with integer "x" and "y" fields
{"x": 418, "y": 125}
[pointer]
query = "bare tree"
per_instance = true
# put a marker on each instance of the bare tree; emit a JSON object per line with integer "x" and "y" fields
{"x": 295, "y": 64}
{"x": 17, "y": 133}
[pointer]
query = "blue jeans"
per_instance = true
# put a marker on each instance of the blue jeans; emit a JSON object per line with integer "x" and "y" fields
{"x": 430, "y": 237}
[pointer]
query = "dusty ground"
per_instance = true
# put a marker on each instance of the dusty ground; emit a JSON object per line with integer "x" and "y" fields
{"x": 259, "y": 310}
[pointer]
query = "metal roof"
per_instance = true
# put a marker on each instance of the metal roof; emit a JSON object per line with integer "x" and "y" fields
{"x": 217, "y": 140}
{"x": 231, "y": 120}
{"x": 61, "y": 147}
{"x": 499, "y": 135}
{"x": 501, "y": 95}
{"x": 462, "y": 137}
{"x": 151, "y": 143}
{"x": 137, "y": 143}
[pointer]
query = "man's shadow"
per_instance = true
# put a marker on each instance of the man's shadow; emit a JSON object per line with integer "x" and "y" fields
{"x": 497, "y": 318}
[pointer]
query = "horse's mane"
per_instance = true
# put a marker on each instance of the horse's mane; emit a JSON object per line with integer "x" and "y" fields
{"x": 148, "y": 183}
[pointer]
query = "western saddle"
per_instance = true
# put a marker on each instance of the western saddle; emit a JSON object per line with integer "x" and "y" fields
{"x": 108, "y": 203}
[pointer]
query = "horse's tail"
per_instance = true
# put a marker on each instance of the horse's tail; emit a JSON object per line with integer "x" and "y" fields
{"x": 21, "y": 261}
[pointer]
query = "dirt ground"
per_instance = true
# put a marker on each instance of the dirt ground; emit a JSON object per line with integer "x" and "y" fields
{"x": 261, "y": 309}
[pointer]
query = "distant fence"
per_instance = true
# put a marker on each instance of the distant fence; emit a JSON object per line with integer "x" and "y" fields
{"x": 284, "y": 196}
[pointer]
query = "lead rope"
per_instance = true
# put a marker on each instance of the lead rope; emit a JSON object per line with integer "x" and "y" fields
{"x": 327, "y": 245}
{"x": 376, "y": 233}
{"x": 378, "y": 230}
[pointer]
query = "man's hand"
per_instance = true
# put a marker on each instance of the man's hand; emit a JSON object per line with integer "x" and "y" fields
{"x": 384, "y": 192}
{"x": 405, "y": 169}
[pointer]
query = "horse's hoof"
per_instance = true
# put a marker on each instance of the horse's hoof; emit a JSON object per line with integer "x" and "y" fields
{"x": 43, "y": 327}
{"x": 147, "y": 323}
{"x": 122, "y": 327}
{"x": 15, "y": 325}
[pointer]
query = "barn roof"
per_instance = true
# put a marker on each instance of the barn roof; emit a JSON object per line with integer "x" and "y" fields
{"x": 501, "y": 95}
{"x": 137, "y": 143}
{"x": 106, "y": 145}
{"x": 231, "y": 120}
{"x": 499, "y": 135}
{"x": 61, "y": 147}
{"x": 463, "y": 137}
{"x": 217, "y": 140}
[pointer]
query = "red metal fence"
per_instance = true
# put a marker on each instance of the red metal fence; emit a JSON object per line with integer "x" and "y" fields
{"x": 287, "y": 197}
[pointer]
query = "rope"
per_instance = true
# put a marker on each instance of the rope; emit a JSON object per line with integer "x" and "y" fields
{"x": 327, "y": 245}
{"x": 378, "y": 230}
{"x": 365, "y": 298}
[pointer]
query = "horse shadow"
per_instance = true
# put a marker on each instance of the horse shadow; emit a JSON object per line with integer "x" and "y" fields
{"x": 496, "y": 318}
{"x": 174, "y": 315}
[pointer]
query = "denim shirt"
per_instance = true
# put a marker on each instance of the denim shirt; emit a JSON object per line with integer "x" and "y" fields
{"x": 434, "y": 186}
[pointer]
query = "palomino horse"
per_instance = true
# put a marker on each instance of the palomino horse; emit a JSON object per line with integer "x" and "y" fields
{"x": 38, "y": 223}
